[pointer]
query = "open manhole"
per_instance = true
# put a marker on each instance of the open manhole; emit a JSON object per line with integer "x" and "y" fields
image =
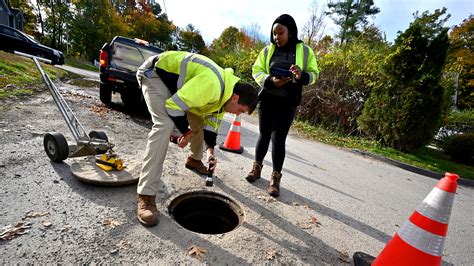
{"x": 206, "y": 212}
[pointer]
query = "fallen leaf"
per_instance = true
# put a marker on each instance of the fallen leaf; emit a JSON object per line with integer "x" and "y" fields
{"x": 271, "y": 254}
{"x": 304, "y": 225}
{"x": 100, "y": 110}
{"x": 295, "y": 204}
{"x": 314, "y": 220}
{"x": 197, "y": 252}
{"x": 66, "y": 227}
{"x": 36, "y": 214}
{"x": 344, "y": 256}
{"x": 124, "y": 245}
{"x": 11, "y": 232}
{"x": 111, "y": 223}
{"x": 46, "y": 223}
{"x": 267, "y": 198}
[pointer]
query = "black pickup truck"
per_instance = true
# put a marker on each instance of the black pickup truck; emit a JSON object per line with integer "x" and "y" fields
{"x": 119, "y": 61}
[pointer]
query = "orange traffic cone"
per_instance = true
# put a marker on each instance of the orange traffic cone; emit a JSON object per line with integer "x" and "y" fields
{"x": 420, "y": 241}
{"x": 232, "y": 141}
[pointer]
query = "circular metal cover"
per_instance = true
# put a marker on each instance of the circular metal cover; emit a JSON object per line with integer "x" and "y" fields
{"x": 86, "y": 170}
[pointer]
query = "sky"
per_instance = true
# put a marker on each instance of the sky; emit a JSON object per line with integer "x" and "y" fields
{"x": 211, "y": 17}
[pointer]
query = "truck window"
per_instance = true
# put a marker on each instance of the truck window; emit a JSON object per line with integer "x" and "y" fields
{"x": 127, "y": 57}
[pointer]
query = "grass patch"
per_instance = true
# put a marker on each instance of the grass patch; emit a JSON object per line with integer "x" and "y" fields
{"x": 19, "y": 75}
{"x": 81, "y": 63}
{"x": 426, "y": 157}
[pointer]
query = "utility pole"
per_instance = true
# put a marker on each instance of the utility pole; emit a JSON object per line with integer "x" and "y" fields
{"x": 164, "y": 6}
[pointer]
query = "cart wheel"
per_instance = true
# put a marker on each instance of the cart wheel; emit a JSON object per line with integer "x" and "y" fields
{"x": 55, "y": 146}
{"x": 98, "y": 135}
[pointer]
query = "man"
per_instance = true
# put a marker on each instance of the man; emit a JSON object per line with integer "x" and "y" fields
{"x": 190, "y": 92}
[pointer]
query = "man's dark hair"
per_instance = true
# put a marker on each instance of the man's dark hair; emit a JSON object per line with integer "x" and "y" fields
{"x": 248, "y": 95}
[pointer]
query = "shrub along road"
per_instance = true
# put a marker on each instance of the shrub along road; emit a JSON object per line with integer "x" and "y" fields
{"x": 333, "y": 202}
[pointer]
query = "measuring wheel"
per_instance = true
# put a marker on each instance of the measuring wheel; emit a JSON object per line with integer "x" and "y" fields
{"x": 55, "y": 146}
{"x": 98, "y": 135}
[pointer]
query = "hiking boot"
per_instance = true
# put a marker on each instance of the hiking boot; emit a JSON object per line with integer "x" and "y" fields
{"x": 196, "y": 165}
{"x": 147, "y": 213}
{"x": 274, "y": 188}
{"x": 255, "y": 173}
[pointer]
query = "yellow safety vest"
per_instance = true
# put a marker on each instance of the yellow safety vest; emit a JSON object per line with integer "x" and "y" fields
{"x": 203, "y": 86}
{"x": 305, "y": 59}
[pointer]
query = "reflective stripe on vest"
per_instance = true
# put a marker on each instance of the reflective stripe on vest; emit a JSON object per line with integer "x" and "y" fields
{"x": 211, "y": 119}
{"x": 192, "y": 58}
{"x": 182, "y": 76}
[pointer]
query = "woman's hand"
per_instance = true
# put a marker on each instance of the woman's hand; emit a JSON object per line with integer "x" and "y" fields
{"x": 296, "y": 70}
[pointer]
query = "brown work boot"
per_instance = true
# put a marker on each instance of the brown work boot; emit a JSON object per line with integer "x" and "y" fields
{"x": 196, "y": 165}
{"x": 274, "y": 188}
{"x": 255, "y": 173}
{"x": 147, "y": 213}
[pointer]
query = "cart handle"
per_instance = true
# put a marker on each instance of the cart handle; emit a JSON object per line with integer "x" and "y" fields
{"x": 47, "y": 61}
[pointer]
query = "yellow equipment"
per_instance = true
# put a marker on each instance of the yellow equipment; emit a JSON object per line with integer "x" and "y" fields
{"x": 109, "y": 161}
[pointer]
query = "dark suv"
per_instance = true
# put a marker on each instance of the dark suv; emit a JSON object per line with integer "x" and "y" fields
{"x": 119, "y": 62}
{"x": 14, "y": 40}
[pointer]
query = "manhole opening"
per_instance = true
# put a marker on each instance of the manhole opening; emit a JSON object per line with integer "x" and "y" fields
{"x": 206, "y": 212}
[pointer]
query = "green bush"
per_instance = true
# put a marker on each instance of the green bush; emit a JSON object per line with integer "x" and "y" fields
{"x": 457, "y": 121}
{"x": 347, "y": 75}
{"x": 461, "y": 148}
{"x": 405, "y": 111}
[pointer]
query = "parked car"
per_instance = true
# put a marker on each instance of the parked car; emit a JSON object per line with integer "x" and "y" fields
{"x": 119, "y": 62}
{"x": 14, "y": 40}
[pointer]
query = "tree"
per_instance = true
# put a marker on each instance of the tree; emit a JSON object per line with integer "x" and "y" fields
{"x": 313, "y": 30}
{"x": 235, "y": 49}
{"x": 351, "y": 15}
{"x": 90, "y": 29}
{"x": 30, "y": 18}
{"x": 191, "y": 40}
{"x": 255, "y": 35}
{"x": 404, "y": 111}
{"x": 460, "y": 62}
{"x": 231, "y": 40}
{"x": 58, "y": 17}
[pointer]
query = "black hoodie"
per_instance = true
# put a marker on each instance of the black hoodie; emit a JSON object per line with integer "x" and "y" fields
{"x": 284, "y": 57}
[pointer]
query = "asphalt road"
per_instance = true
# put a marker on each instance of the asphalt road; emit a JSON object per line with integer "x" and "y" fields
{"x": 333, "y": 202}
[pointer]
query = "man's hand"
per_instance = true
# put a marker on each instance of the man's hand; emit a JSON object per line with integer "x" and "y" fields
{"x": 211, "y": 159}
{"x": 184, "y": 140}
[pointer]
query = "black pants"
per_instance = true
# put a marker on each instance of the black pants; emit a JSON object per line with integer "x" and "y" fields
{"x": 275, "y": 122}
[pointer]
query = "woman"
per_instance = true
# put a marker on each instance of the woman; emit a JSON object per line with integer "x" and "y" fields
{"x": 281, "y": 70}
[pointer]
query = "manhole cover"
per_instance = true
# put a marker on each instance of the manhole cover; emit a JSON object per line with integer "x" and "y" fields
{"x": 206, "y": 212}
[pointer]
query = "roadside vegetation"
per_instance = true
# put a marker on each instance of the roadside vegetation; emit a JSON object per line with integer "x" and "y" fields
{"x": 81, "y": 63}
{"x": 20, "y": 77}
{"x": 411, "y": 100}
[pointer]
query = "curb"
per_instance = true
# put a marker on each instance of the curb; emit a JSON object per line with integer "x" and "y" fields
{"x": 414, "y": 169}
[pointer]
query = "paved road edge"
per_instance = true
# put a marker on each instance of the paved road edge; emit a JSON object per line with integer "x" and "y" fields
{"x": 414, "y": 169}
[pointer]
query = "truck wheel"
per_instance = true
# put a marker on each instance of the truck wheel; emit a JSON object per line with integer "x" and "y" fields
{"x": 105, "y": 94}
{"x": 55, "y": 146}
{"x": 131, "y": 99}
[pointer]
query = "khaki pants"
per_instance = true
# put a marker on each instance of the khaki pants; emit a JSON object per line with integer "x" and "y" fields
{"x": 156, "y": 93}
